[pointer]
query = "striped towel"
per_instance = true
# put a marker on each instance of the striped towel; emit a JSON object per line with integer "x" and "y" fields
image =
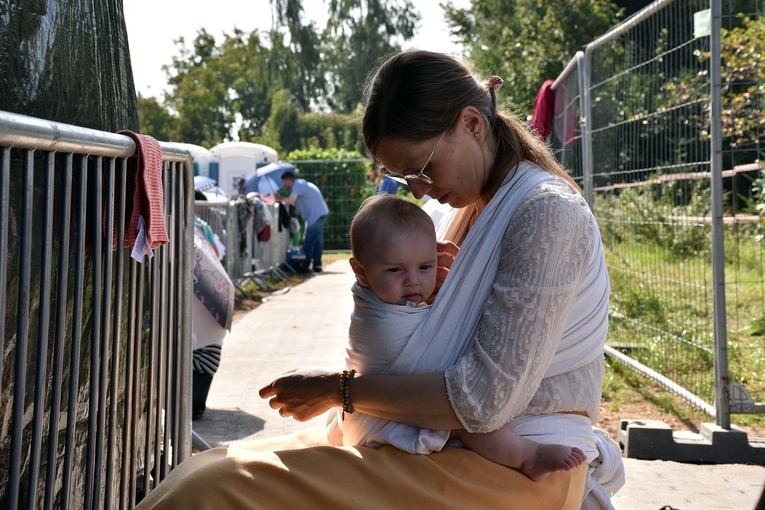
{"x": 146, "y": 224}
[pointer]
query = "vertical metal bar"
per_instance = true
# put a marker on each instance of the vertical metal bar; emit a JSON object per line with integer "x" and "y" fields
{"x": 722, "y": 393}
{"x": 132, "y": 383}
{"x": 22, "y": 332}
{"x": 74, "y": 362}
{"x": 127, "y": 484}
{"x": 58, "y": 353}
{"x": 105, "y": 251}
{"x": 95, "y": 341}
{"x": 138, "y": 369}
{"x": 177, "y": 247}
{"x": 173, "y": 397}
{"x": 166, "y": 357}
{"x": 151, "y": 372}
{"x": 163, "y": 430}
{"x": 159, "y": 337}
{"x": 232, "y": 235}
{"x": 116, "y": 338}
{"x": 42, "y": 334}
{"x": 186, "y": 198}
{"x": 585, "y": 124}
{"x": 5, "y": 177}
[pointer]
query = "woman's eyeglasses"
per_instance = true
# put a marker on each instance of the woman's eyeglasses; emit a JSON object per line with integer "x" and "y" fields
{"x": 419, "y": 177}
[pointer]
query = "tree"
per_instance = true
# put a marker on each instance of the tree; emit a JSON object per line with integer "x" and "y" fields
{"x": 154, "y": 119}
{"x": 359, "y": 33}
{"x": 281, "y": 131}
{"x": 200, "y": 93}
{"x": 526, "y": 41}
{"x": 252, "y": 86}
{"x": 296, "y": 57}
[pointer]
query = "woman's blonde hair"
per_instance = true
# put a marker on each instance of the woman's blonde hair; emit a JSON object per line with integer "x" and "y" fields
{"x": 416, "y": 95}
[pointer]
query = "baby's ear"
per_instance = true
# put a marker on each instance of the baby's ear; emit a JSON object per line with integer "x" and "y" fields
{"x": 358, "y": 270}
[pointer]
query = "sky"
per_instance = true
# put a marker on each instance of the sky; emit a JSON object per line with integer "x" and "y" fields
{"x": 153, "y": 25}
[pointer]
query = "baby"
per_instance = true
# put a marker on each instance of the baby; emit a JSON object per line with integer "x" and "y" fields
{"x": 393, "y": 243}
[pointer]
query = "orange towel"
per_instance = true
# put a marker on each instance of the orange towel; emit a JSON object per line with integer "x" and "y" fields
{"x": 300, "y": 471}
{"x": 148, "y": 195}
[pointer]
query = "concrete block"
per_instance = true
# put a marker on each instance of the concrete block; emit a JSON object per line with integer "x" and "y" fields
{"x": 655, "y": 440}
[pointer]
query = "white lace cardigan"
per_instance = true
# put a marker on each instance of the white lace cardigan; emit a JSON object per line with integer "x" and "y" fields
{"x": 550, "y": 292}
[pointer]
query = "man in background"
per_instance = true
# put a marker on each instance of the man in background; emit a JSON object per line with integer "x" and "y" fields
{"x": 310, "y": 204}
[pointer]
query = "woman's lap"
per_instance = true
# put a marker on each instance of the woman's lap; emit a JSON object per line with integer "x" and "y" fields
{"x": 282, "y": 473}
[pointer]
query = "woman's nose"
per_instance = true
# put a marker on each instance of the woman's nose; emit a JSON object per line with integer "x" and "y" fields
{"x": 419, "y": 190}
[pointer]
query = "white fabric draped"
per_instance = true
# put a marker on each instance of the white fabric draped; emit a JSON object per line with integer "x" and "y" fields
{"x": 377, "y": 334}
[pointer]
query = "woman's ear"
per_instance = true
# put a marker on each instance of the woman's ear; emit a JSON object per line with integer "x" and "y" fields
{"x": 358, "y": 270}
{"x": 472, "y": 120}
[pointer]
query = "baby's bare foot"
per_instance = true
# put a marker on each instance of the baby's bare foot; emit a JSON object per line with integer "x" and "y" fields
{"x": 550, "y": 458}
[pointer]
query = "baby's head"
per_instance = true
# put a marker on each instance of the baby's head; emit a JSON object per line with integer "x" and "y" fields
{"x": 393, "y": 242}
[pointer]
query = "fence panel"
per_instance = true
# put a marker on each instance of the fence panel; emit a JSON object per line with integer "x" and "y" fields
{"x": 645, "y": 142}
{"x": 246, "y": 256}
{"x": 345, "y": 184}
{"x": 96, "y": 352}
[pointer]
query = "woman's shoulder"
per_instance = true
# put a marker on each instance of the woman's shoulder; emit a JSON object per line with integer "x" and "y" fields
{"x": 544, "y": 186}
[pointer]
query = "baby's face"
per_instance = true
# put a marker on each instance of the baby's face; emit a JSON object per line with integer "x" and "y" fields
{"x": 402, "y": 267}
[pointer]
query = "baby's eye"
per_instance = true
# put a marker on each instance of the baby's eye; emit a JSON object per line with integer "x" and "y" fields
{"x": 393, "y": 270}
{"x": 426, "y": 267}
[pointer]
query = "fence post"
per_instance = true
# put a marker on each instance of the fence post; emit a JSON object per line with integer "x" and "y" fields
{"x": 722, "y": 392}
{"x": 585, "y": 124}
{"x": 232, "y": 237}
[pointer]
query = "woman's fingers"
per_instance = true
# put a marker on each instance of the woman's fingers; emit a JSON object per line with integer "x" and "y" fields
{"x": 448, "y": 249}
{"x": 302, "y": 393}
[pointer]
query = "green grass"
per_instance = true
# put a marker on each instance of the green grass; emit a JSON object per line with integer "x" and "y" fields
{"x": 662, "y": 306}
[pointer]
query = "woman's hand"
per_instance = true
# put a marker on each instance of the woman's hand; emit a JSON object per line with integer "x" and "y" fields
{"x": 447, "y": 251}
{"x": 303, "y": 393}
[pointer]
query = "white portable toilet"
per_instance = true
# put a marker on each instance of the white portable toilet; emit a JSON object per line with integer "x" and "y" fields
{"x": 237, "y": 161}
{"x": 201, "y": 157}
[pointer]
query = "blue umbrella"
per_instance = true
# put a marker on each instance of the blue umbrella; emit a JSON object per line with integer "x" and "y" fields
{"x": 204, "y": 183}
{"x": 267, "y": 179}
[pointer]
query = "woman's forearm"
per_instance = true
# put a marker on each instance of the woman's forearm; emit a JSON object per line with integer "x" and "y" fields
{"x": 419, "y": 400}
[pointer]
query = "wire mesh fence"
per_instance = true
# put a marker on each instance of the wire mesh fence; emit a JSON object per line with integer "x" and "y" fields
{"x": 345, "y": 184}
{"x": 677, "y": 190}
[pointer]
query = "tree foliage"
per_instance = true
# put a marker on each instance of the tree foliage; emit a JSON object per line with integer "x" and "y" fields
{"x": 154, "y": 118}
{"x": 199, "y": 95}
{"x": 359, "y": 34}
{"x": 255, "y": 86}
{"x": 526, "y": 41}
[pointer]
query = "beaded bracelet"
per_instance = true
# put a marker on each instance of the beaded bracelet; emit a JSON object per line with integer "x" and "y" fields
{"x": 345, "y": 391}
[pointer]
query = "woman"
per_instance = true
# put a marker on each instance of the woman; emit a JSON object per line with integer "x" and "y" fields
{"x": 515, "y": 337}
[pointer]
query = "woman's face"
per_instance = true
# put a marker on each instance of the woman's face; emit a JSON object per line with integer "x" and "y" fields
{"x": 459, "y": 167}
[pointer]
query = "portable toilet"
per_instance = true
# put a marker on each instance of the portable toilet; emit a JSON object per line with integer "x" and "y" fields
{"x": 236, "y": 161}
{"x": 202, "y": 158}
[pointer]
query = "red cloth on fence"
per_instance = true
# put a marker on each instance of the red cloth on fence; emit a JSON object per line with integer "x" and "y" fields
{"x": 148, "y": 194}
{"x": 544, "y": 109}
{"x": 565, "y": 117}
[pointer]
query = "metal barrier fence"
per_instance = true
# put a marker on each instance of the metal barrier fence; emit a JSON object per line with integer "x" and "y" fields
{"x": 96, "y": 347}
{"x": 344, "y": 183}
{"x": 246, "y": 257}
{"x": 660, "y": 121}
